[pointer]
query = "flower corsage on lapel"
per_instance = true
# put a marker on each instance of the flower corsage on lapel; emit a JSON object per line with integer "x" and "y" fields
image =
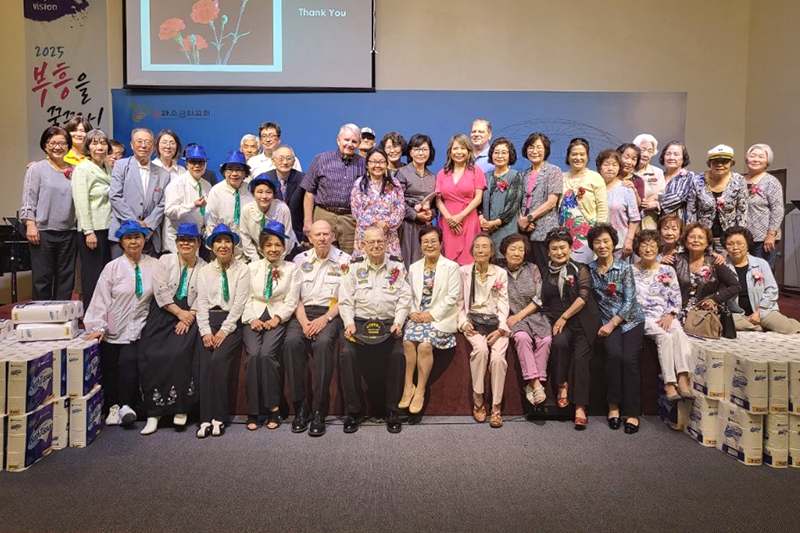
{"x": 570, "y": 280}
{"x": 502, "y": 185}
{"x": 720, "y": 204}
{"x": 705, "y": 272}
{"x": 344, "y": 267}
{"x": 497, "y": 286}
{"x": 758, "y": 277}
{"x": 393, "y": 276}
{"x": 665, "y": 278}
{"x": 611, "y": 289}
{"x": 581, "y": 192}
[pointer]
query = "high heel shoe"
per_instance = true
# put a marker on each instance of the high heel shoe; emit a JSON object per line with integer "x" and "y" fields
{"x": 204, "y": 430}
{"x": 563, "y": 396}
{"x": 405, "y": 401}
{"x": 151, "y": 426}
{"x": 417, "y": 402}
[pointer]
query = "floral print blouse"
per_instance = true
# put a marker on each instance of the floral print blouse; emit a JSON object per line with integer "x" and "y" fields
{"x": 731, "y": 206}
{"x": 372, "y": 207}
{"x": 615, "y": 292}
{"x": 657, "y": 291}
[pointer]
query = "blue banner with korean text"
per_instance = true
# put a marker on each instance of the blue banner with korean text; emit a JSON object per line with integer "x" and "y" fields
{"x": 66, "y": 67}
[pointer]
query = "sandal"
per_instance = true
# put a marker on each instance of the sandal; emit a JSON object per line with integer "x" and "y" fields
{"x": 496, "y": 420}
{"x": 539, "y": 395}
{"x": 252, "y": 423}
{"x": 563, "y": 396}
{"x": 273, "y": 420}
{"x": 479, "y": 413}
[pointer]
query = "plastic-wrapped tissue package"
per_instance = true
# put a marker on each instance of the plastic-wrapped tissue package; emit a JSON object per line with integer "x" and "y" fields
{"x": 85, "y": 418}
{"x": 29, "y": 438}
{"x": 29, "y": 382}
{"x": 83, "y": 367}
{"x": 47, "y": 332}
{"x": 45, "y": 312}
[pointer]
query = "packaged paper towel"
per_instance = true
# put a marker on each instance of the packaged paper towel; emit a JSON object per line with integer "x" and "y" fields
{"x": 709, "y": 370}
{"x": 6, "y": 328}
{"x": 776, "y": 440}
{"x": 85, "y": 418}
{"x": 746, "y": 382}
{"x": 794, "y": 431}
{"x": 30, "y": 438}
{"x": 61, "y": 423}
{"x": 740, "y": 434}
{"x": 83, "y": 367}
{"x": 778, "y": 377}
{"x": 794, "y": 385}
{"x": 60, "y": 371}
{"x": 30, "y": 382}
{"x": 43, "y": 312}
{"x": 47, "y": 332}
{"x": 702, "y": 424}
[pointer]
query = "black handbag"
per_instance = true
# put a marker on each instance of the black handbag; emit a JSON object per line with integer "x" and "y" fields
{"x": 482, "y": 323}
{"x": 728, "y": 326}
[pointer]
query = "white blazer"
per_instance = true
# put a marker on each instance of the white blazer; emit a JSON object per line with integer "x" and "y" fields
{"x": 446, "y": 288}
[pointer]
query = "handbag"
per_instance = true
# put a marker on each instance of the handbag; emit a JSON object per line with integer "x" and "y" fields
{"x": 728, "y": 326}
{"x": 703, "y": 323}
{"x": 482, "y": 323}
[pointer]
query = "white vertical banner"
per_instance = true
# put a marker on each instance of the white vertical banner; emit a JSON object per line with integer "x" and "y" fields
{"x": 66, "y": 71}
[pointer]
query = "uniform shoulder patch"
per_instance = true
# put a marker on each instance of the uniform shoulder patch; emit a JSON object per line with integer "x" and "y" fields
{"x": 357, "y": 259}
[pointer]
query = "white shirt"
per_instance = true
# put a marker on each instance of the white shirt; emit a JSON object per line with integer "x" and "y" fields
{"x": 380, "y": 292}
{"x": 220, "y": 206}
{"x": 167, "y": 278}
{"x": 321, "y": 278}
{"x": 251, "y": 227}
{"x": 174, "y": 171}
{"x": 261, "y": 163}
{"x": 285, "y": 291}
{"x": 209, "y": 294}
{"x": 144, "y": 174}
{"x": 115, "y": 310}
{"x": 179, "y": 197}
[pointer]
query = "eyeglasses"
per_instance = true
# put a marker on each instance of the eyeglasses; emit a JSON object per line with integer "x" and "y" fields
{"x": 500, "y": 152}
{"x": 268, "y": 136}
{"x": 431, "y": 242}
{"x": 57, "y": 144}
{"x": 143, "y": 142}
{"x": 375, "y": 244}
{"x": 377, "y": 163}
{"x": 649, "y": 245}
{"x": 288, "y": 159}
{"x": 735, "y": 244}
{"x": 420, "y": 150}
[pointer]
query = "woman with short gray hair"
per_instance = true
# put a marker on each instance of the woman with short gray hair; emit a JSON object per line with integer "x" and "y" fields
{"x": 764, "y": 203}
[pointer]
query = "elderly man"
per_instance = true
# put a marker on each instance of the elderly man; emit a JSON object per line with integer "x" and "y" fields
{"x": 270, "y": 135}
{"x": 374, "y": 301}
{"x": 481, "y": 134}
{"x": 249, "y": 146}
{"x": 289, "y": 179}
{"x": 227, "y": 198}
{"x": 328, "y": 183}
{"x": 136, "y": 192}
{"x": 315, "y": 327}
{"x": 367, "y": 141}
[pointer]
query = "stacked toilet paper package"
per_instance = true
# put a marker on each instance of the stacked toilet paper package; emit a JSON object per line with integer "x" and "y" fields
{"x": 747, "y": 398}
{"x": 50, "y": 394}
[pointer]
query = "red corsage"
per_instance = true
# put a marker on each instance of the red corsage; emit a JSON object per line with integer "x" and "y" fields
{"x": 720, "y": 203}
{"x": 502, "y": 185}
{"x": 704, "y": 272}
{"x": 68, "y": 173}
{"x": 754, "y": 190}
{"x": 665, "y": 278}
{"x": 571, "y": 280}
{"x": 276, "y": 274}
{"x": 344, "y": 267}
{"x": 758, "y": 277}
{"x": 393, "y": 277}
{"x": 498, "y": 286}
{"x": 612, "y": 289}
{"x": 581, "y": 192}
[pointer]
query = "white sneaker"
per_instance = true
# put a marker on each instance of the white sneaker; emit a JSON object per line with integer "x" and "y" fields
{"x": 113, "y": 416}
{"x": 127, "y": 416}
{"x": 151, "y": 426}
{"x": 179, "y": 419}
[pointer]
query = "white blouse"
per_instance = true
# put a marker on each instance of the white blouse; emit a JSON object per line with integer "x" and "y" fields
{"x": 115, "y": 310}
{"x": 209, "y": 294}
{"x": 285, "y": 292}
{"x": 251, "y": 227}
{"x": 220, "y": 207}
{"x": 167, "y": 277}
{"x": 179, "y": 198}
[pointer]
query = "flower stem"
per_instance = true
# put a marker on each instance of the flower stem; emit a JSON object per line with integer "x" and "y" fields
{"x": 235, "y": 32}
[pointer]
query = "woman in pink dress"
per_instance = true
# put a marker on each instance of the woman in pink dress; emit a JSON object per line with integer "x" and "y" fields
{"x": 460, "y": 186}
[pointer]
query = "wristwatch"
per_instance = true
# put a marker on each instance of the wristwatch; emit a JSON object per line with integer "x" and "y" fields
{"x": 330, "y": 318}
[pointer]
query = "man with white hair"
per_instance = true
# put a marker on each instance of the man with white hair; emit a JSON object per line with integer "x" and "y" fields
{"x": 480, "y": 135}
{"x": 328, "y": 183}
{"x": 249, "y": 145}
{"x": 270, "y": 136}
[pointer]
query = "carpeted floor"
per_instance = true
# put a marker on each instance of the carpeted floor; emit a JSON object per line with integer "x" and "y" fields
{"x": 447, "y": 474}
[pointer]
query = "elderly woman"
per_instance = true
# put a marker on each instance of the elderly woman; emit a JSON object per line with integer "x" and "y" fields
{"x": 670, "y": 228}
{"x": 377, "y": 200}
{"x": 530, "y": 329}
{"x": 653, "y": 178}
{"x": 49, "y": 216}
{"x": 482, "y": 316}
{"x": 659, "y": 295}
{"x": 542, "y": 185}
{"x": 435, "y": 286}
{"x": 704, "y": 284}
{"x": 257, "y": 215}
{"x": 569, "y": 305}
{"x": 764, "y": 203}
{"x": 185, "y": 197}
{"x": 755, "y": 308}
{"x": 623, "y": 213}
{"x": 503, "y": 196}
{"x": 718, "y": 197}
{"x": 394, "y": 146}
{"x": 77, "y": 127}
{"x": 116, "y": 318}
{"x": 460, "y": 185}
{"x": 418, "y": 184}
{"x": 168, "y": 148}
{"x": 631, "y": 157}
{"x": 622, "y": 330}
{"x": 677, "y": 180}
{"x": 584, "y": 201}
{"x": 170, "y": 337}
{"x": 90, "y": 183}
{"x": 274, "y": 294}
{"x": 228, "y": 198}
{"x": 223, "y": 290}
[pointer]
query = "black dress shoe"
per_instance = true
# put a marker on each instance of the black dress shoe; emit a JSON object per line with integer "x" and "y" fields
{"x": 393, "y": 424}
{"x": 614, "y": 423}
{"x": 630, "y": 429}
{"x": 351, "y": 424}
{"x": 300, "y": 423}
{"x": 318, "y": 425}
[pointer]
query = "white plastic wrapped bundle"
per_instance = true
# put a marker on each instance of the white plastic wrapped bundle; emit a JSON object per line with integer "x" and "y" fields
{"x": 47, "y": 332}
{"x": 40, "y": 312}
{"x": 29, "y": 382}
{"x": 85, "y": 418}
{"x": 740, "y": 434}
{"x": 30, "y": 438}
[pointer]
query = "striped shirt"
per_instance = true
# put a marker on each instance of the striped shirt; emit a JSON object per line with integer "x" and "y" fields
{"x": 330, "y": 178}
{"x": 764, "y": 207}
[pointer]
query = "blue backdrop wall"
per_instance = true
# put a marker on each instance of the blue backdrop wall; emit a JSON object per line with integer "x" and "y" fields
{"x": 310, "y": 120}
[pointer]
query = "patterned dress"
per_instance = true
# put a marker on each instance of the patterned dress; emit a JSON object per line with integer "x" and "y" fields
{"x": 372, "y": 207}
{"x": 622, "y": 210}
{"x": 424, "y": 331}
{"x": 658, "y": 291}
{"x": 571, "y": 217}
